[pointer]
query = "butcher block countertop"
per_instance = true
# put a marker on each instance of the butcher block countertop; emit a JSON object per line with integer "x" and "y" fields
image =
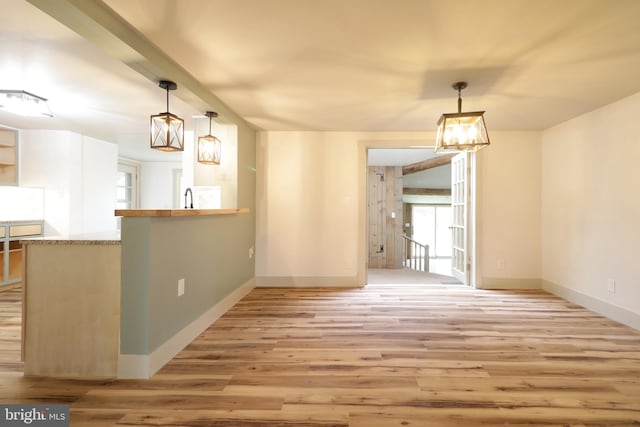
{"x": 178, "y": 212}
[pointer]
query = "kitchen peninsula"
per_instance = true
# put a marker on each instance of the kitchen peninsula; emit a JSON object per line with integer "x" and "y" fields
{"x": 169, "y": 276}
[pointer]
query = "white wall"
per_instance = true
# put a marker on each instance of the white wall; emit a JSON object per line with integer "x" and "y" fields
{"x": 78, "y": 176}
{"x": 21, "y": 203}
{"x": 156, "y": 184}
{"x": 100, "y": 167}
{"x": 590, "y": 207}
{"x": 49, "y": 159}
{"x": 508, "y": 250}
{"x": 307, "y": 220}
{"x": 310, "y": 188}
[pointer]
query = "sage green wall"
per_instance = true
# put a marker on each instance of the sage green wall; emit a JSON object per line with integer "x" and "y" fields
{"x": 205, "y": 252}
{"x": 134, "y": 291}
{"x": 210, "y": 252}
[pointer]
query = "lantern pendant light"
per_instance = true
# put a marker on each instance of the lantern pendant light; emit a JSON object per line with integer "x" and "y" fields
{"x": 209, "y": 147}
{"x": 461, "y": 131}
{"x": 167, "y": 129}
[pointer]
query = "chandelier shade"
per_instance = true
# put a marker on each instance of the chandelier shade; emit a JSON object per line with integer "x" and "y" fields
{"x": 461, "y": 131}
{"x": 209, "y": 146}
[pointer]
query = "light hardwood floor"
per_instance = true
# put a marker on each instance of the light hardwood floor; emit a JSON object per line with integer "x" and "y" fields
{"x": 383, "y": 355}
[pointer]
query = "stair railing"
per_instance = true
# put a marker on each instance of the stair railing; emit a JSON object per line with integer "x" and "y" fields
{"x": 416, "y": 255}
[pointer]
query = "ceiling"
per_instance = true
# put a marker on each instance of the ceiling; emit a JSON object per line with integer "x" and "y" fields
{"x": 435, "y": 177}
{"x": 356, "y": 65}
{"x": 399, "y": 156}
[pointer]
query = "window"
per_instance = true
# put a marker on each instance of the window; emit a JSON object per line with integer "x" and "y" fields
{"x": 432, "y": 226}
{"x": 127, "y": 185}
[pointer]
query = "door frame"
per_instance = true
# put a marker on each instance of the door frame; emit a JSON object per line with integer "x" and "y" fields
{"x": 133, "y": 167}
{"x": 363, "y": 232}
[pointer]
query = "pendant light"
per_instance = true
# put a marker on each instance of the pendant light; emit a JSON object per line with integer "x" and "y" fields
{"x": 461, "y": 131}
{"x": 209, "y": 147}
{"x": 167, "y": 129}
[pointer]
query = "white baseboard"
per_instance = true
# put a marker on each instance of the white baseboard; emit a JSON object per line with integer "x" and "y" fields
{"x": 144, "y": 366}
{"x": 509, "y": 283}
{"x": 307, "y": 281}
{"x": 133, "y": 366}
{"x": 604, "y": 308}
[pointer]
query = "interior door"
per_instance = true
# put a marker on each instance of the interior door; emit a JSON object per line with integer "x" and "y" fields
{"x": 459, "y": 197}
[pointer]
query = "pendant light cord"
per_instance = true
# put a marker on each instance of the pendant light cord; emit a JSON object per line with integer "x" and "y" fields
{"x": 459, "y": 86}
{"x": 211, "y": 115}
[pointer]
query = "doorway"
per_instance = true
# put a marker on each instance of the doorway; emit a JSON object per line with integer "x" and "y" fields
{"x": 436, "y": 209}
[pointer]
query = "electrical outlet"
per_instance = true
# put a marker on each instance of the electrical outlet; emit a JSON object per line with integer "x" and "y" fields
{"x": 180, "y": 287}
{"x": 251, "y": 252}
{"x": 611, "y": 286}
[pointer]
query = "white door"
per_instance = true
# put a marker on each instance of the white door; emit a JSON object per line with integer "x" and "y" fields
{"x": 459, "y": 196}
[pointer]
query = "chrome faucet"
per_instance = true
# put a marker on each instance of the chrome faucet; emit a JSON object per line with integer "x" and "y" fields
{"x": 185, "y": 198}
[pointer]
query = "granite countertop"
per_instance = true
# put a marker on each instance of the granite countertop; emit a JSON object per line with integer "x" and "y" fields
{"x": 106, "y": 238}
{"x": 178, "y": 212}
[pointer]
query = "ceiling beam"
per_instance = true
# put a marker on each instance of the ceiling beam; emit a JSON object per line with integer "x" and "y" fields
{"x": 98, "y": 23}
{"x": 426, "y": 191}
{"x": 427, "y": 164}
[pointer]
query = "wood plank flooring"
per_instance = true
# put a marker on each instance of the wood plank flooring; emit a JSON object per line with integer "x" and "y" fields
{"x": 403, "y": 355}
{"x": 10, "y": 332}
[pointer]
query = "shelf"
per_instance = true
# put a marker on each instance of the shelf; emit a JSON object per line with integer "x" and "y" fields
{"x": 11, "y": 233}
{"x": 9, "y": 158}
